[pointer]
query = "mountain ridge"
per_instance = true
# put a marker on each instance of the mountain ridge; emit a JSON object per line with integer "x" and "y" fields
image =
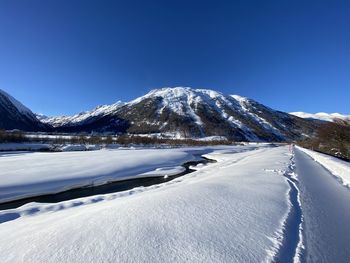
{"x": 14, "y": 115}
{"x": 321, "y": 116}
{"x": 177, "y": 112}
{"x": 190, "y": 113}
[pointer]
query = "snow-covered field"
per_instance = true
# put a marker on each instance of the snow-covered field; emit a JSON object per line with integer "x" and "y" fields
{"x": 229, "y": 211}
{"x": 339, "y": 168}
{"x": 28, "y": 174}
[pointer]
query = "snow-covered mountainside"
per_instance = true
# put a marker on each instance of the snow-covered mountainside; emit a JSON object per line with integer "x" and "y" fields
{"x": 191, "y": 113}
{"x": 321, "y": 116}
{"x": 176, "y": 112}
{"x": 83, "y": 117}
{"x": 14, "y": 115}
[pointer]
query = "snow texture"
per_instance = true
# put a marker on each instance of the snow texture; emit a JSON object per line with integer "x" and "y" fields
{"x": 326, "y": 213}
{"x": 229, "y": 211}
{"x": 339, "y": 168}
{"x": 42, "y": 173}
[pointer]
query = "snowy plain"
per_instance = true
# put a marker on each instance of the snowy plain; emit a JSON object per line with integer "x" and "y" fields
{"x": 230, "y": 211}
{"x": 27, "y": 174}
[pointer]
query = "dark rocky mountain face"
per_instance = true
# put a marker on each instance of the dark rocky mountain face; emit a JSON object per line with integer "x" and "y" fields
{"x": 13, "y": 115}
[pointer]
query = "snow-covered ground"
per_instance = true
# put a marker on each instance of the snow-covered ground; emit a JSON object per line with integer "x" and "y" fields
{"x": 325, "y": 209}
{"x": 230, "y": 211}
{"x": 33, "y": 173}
{"x": 339, "y": 168}
{"x": 28, "y": 174}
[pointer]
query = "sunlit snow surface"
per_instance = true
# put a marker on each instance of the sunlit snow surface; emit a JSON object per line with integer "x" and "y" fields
{"x": 337, "y": 167}
{"x": 34, "y": 173}
{"x": 229, "y": 211}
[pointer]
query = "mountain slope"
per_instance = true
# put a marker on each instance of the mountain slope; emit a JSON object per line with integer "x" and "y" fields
{"x": 192, "y": 113}
{"x": 14, "y": 115}
{"x": 321, "y": 116}
{"x": 81, "y": 118}
{"x": 198, "y": 112}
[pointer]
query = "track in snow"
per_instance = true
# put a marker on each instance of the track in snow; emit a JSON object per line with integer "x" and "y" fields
{"x": 326, "y": 210}
{"x": 291, "y": 249}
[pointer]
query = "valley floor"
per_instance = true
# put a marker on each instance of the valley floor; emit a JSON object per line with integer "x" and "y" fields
{"x": 255, "y": 204}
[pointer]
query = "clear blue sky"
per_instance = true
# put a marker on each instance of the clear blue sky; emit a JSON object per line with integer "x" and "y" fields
{"x": 62, "y": 57}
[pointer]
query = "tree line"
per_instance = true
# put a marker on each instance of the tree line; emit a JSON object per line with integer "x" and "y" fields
{"x": 21, "y": 137}
{"x": 332, "y": 138}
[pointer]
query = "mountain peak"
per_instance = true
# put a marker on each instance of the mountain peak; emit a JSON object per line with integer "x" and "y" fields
{"x": 182, "y": 91}
{"x": 19, "y": 106}
{"x": 14, "y": 115}
{"x": 173, "y": 111}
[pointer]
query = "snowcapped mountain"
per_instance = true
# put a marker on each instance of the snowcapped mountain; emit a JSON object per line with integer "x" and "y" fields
{"x": 321, "y": 116}
{"x": 190, "y": 113}
{"x": 177, "y": 112}
{"x": 81, "y": 118}
{"x": 14, "y": 115}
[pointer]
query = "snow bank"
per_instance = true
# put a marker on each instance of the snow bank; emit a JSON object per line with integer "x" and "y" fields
{"x": 79, "y": 147}
{"x": 229, "y": 211}
{"x": 212, "y": 138}
{"x": 339, "y": 168}
{"x": 73, "y": 147}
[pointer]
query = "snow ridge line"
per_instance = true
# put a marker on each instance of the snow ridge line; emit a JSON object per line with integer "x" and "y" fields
{"x": 291, "y": 246}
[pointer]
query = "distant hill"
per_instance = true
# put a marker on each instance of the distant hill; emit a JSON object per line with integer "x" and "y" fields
{"x": 321, "y": 116}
